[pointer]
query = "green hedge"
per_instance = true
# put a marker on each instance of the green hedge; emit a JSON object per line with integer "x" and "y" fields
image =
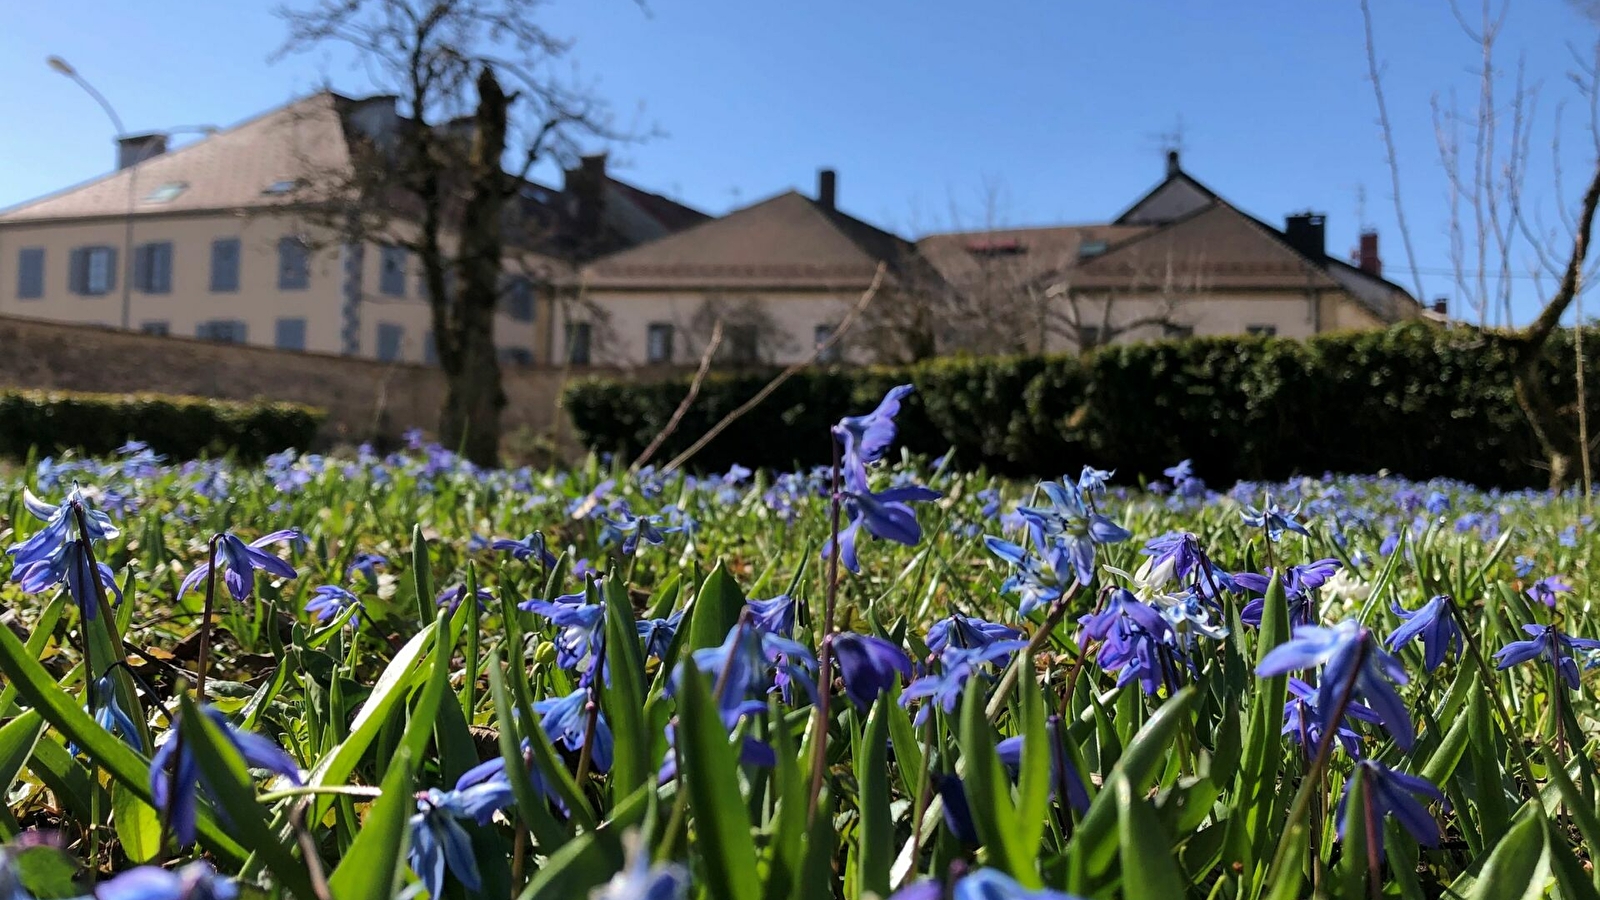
{"x": 182, "y": 427}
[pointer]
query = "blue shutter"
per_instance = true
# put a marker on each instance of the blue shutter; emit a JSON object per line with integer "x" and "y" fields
{"x": 111, "y": 268}
{"x": 392, "y": 271}
{"x": 390, "y": 337}
{"x": 75, "y": 269}
{"x": 161, "y": 265}
{"x": 142, "y": 255}
{"x": 30, "y": 273}
{"x": 224, "y": 265}
{"x": 291, "y": 334}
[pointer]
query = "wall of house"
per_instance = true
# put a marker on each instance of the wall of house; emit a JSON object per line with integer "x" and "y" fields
{"x": 259, "y": 303}
{"x": 1212, "y": 314}
{"x": 620, "y": 323}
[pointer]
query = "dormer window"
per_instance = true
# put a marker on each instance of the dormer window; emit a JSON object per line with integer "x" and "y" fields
{"x": 281, "y": 186}
{"x": 1091, "y": 249}
{"x": 1010, "y": 247}
{"x": 166, "y": 193}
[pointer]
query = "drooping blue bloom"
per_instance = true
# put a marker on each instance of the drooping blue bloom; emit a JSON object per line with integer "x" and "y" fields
{"x": 1338, "y": 649}
{"x": 1188, "y": 615}
{"x": 1546, "y": 589}
{"x": 450, "y": 598}
{"x": 627, "y": 529}
{"x": 657, "y": 634}
{"x": 241, "y": 561}
{"x": 329, "y": 601}
{"x": 956, "y": 665}
{"x": 1064, "y": 775}
{"x": 1092, "y": 481}
{"x": 775, "y": 615}
{"x": 1438, "y": 503}
{"x": 868, "y": 437}
{"x": 957, "y": 812}
{"x": 1434, "y": 624}
{"x": 1135, "y": 642}
{"x": 566, "y": 721}
{"x": 1298, "y": 583}
{"x": 195, "y": 881}
{"x": 531, "y": 547}
{"x": 110, "y": 715}
{"x": 1393, "y": 793}
{"x": 1033, "y": 579}
{"x": 1184, "y": 482}
{"x": 439, "y": 845}
{"x": 54, "y": 555}
{"x": 750, "y": 663}
{"x": 581, "y": 625}
{"x": 1274, "y": 519}
{"x": 175, "y": 775}
{"x": 868, "y": 666}
{"x": 1303, "y": 723}
{"x": 367, "y": 564}
{"x": 1551, "y": 646}
{"x": 1524, "y": 566}
{"x": 639, "y": 880}
{"x": 1066, "y": 531}
{"x": 1179, "y": 549}
{"x": 886, "y": 514}
{"x": 969, "y": 632}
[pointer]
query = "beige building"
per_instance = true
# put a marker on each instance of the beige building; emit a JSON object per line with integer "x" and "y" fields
{"x": 783, "y": 272}
{"x": 214, "y": 240}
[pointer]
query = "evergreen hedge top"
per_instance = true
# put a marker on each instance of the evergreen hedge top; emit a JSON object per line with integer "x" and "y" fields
{"x": 1416, "y": 400}
{"x": 182, "y": 427}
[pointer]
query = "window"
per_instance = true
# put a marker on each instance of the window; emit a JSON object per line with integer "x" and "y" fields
{"x": 226, "y": 331}
{"x": 166, "y": 193}
{"x": 294, "y": 264}
{"x": 156, "y": 327}
{"x": 291, "y": 334}
{"x": 152, "y": 267}
{"x": 658, "y": 342}
{"x": 430, "y": 349}
{"x": 281, "y": 186}
{"x": 1262, "y": 330}
{"x": 516, "y": 356}
{"x": 743, "y": 343}
{"x": 390, "y": 337}
{"x": 578, "y": 340}
{"x": 1172, "y": 330}
{"x": 821, "y": 335}
{"x": 30, "y": 273}
{"x": 1090, "y": 249}
{"x": 518, "y": 296}
{"x": 392, "y": 271}
{"x": 93, "y": 271}
{"x": 224, "y": 265}
{"x": 1088, "y": 337}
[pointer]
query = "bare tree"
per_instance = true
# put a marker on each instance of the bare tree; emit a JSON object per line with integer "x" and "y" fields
{"x": 1154, "y": 296}
{"x": 442, "y": 171}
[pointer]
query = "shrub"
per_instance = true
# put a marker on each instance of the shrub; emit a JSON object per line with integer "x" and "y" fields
{"x": 1415, "y": 400}
{"x": 182, "y": 427}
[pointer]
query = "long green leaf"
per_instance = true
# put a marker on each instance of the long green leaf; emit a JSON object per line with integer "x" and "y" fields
{"x": 724, "y": 845}
{"x": 18, "y": 737}
{"x": 989, "y": 792}
{"x": 716, "y": 609}
{"x": 624, "y": 698}
{"x": 138, "y": 825}
{"x": 875, "y": 835}
{"x": 1033, "y": 782}
{"x": 373, "y": 866}
{"x": 1517, "y": 868}
{"x": 1149, "y": 867}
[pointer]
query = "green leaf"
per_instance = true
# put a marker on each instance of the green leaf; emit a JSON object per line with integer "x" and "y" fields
{"x": 17, "y": 740}
{"x": 1149, "y": 867}
{"x": 47, "y": 873}
{"x": 716, "y": 609}
{"x": 228, "y": 781}
{"x": 36, "y": 644}
{"x": 1033, "y": 782}
{"x": 421, "y": 576}
{"x": 624, "y": 698}
{"x": 788, "y": 825}
{"x": 723, "y": 842}
{"x": 533, "y": 807}
{"x": 61, "y": 709}
{"x": 1517, "y": 867}
{"x": 1569, "y": 874}
{"x": 989, "y": 793}
{"x": 1579, "y": 807}
{"x": 373, "y": 866}
{"x": 138, "y": 826}
{"x": 875, "y": 834}
{"x": 907, "y": 750}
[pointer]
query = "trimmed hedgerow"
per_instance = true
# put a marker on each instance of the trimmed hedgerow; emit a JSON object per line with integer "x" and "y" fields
{"x": 1415, "y": 400}
{"x": 182, "y": 427}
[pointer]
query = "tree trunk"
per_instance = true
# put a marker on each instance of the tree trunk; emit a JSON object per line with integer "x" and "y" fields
{"x": 470, "y": 419}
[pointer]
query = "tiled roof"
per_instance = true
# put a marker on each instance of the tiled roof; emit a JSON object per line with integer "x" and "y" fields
{"x": 233, "y": 169}
{"x": 1016, "y": 255}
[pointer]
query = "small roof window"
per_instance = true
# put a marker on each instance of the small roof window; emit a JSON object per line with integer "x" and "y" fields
{"x": 1088, "y": 249}
{"x": 166, "y": 193}
{"x": 281, "y": 186}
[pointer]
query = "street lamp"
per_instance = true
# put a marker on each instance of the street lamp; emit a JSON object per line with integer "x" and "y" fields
{"x": 60, "y": 65}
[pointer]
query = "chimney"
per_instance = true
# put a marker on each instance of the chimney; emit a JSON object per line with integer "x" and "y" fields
{"x": 827, "y": 188}
{"x": 1367, "y": 254}
{"x": 585, "y": 190}
{"x": 136, "y": 148}
{"x": 1172, "y": 163}
{"x": 1305, "y": 232}
{"x": 1442, "y": 306}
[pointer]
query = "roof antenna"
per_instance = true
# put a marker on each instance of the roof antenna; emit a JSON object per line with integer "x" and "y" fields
{"x": 1171, "y": 144}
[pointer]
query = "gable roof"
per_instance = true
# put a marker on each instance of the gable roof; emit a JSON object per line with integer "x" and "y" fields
{"x": 786, "y": 241}
{"x": 1014, "y": 256}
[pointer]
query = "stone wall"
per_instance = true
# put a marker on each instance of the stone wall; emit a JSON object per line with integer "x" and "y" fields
{"x": 363, "y": 398}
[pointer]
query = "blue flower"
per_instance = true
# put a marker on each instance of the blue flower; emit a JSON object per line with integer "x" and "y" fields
{"x": 54, "y": 555}
{"x": 1064, "y": 775}
{"x": 1135, "y": 642}
{"x": 439, "y": 844}
{"x": 628, "y": 529}
{"x": 992, "y": 884}
{"x": 451, "y": 597}
{"x": 1066, "y": 531}
{"x": 241, "y": 561}
{"x": 1434, "y": 624}
{"x": 175, "y": 775}
{"x": 751, "y": 752}
{"x": 1437, "y": 503}
{"x": 1546, "y": 589}
{"x": 566, "y": 721}
{"x": 1179, "y": 549}
{"x": 868, "y": 437}
{"x": 329, "y": 600}
{"x": 751, "y": 662}
{"x": 639, "y": 880}
{"x": 957, "y": 811}
{"x": 367, "y": 564}
{"x": 1338, "y": 649}
{"x": 1303, "y": 722}
{"x": 868, "y": 666}
{"x": 195, "y": 881}
{"x": 530, "y": 547}
{"x": 109, "y": 714}
{"x": 1184, "y": 484}
{"x": 1036, "y": 581}
{"x": 1393, "y": 793}
{"x": 1092, "y": 481}
{"x": 581, "y": 625}
{"x": 1524, "y": 566}
{"x": 1274, "y": 519}
{"x": 969, "y": 632}
{"x": 1550, "y": 645}
{"x": 658, "y": 634}
{"x": 956, "y": 665}
{"x": 775, "y": 615}
{"x": 886, "y": 514}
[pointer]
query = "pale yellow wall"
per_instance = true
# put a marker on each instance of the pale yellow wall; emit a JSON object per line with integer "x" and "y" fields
{"x": 259, "y": 303}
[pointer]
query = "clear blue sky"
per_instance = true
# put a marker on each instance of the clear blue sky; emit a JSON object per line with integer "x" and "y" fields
{"x": 923, "y": 107}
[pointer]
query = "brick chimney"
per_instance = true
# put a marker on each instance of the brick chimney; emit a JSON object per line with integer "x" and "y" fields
{"x": 828, "y": 188}
{"x": 1442, "y": 306}
{"x": 1306, "y": 232}
{"x": 1172, "y": 163}
{"x": 1367, "y": 254}
{"x": 136, "y": 148}
{"x": 585, "y": 190}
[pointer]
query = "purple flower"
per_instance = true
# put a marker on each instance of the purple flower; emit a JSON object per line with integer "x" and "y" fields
{"x": 751, "y": 753}
{"x": 886, "y": 514}
{"x": 566, "y": 721}
{"x": 367, "y": 564}
{"x": 868, "y": 437}
{"x": 868, "y": 665}
{"x": 1274, "y": 519}
{"x": 581, "y": 626}
{"x": 968, "y": 631}
{"x": 1434, "y": 624}
{"x": 1393, "y": 793}
{"x": 175, "y": 775}
{"x": 530, "y": 547}
{"x": 1545, "y": 589}
{"x": 54, "y": 554}
{"x": 1179, "y": 549}
{"x": 241, "y": 561}
{"x": 195, "y": 881}
{"x": 752, "y": 662}
{"x": 1303, "y": 722}
{"x": 957, "y": 812}
{"x": 628, "y": 529}
{"x": 1064, "y": 776}
{"x": 451, "y": 597}
{"x": 657, "y": 634}
{"x": 956, "y": 665}
{"x": 1066, "y": 531}
{"x": 329, "y": 600}
{"x": 1550, "y": 645}
{"x": 1338, "y": 650}
{"x": 1135, "y": 642}
{"x": 775, "y": 615}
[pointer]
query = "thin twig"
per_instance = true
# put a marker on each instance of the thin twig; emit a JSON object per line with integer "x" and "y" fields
{"x": 785, "y": 375}
{"x": 1375, "y": 75}
{"x": 688, "y": 399}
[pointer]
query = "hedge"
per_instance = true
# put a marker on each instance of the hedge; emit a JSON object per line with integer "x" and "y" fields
{"x": 1415, "y": 400}
{"x": 182, "y": 427}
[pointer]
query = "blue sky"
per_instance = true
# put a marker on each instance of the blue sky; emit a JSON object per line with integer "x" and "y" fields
{"x": 937, "y": 114}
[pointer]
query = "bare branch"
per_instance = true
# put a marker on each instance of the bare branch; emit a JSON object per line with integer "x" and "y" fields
{"x": 1375, "y": 76}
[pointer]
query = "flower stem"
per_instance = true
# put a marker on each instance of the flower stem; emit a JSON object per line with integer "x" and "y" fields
{"x": 819, "y": 753}
{"x": 203, "y": 659}
{"x": 1369, "y": 816}
{"x": 1486, "y": 676}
